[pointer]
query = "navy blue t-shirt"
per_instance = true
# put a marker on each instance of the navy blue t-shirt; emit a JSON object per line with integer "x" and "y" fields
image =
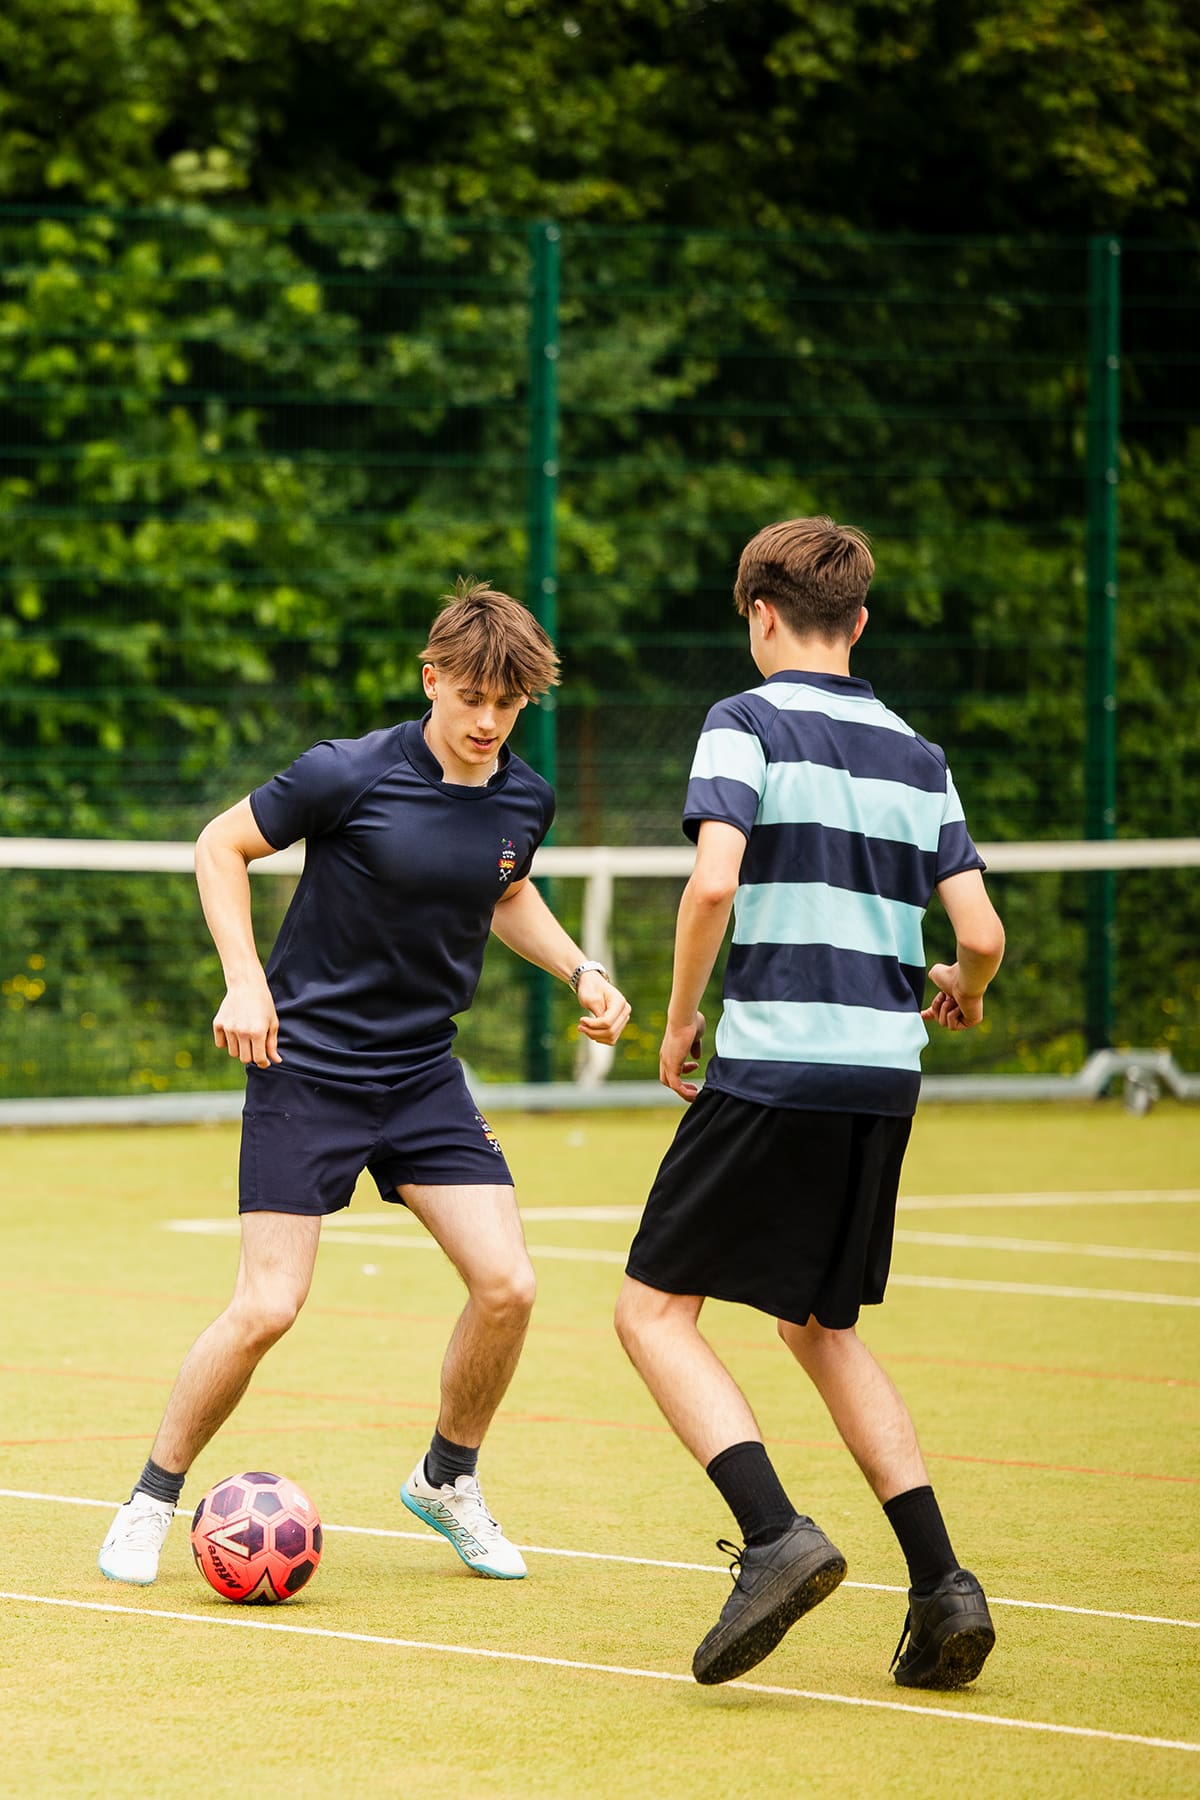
{"x": 384, "y": 939}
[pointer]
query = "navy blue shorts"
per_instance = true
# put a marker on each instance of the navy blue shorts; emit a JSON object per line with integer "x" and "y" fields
{"x": 306, "y": 1140}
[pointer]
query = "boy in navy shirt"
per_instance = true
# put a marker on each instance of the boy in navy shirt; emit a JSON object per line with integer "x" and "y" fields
{"x": 828, "y": 824}
{"x": 419, "y": 841}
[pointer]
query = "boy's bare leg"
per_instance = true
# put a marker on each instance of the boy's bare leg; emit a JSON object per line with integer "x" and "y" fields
{"x": 274, "y": 1272}
{"x": 788, "y": 1565}
{"x": 697, "y": 1395}
{"x": 948, "y": 1630}
{"x": 873, "y": 1421}
{"x": 273, "y": 1279}
{"x": 479, "y": 1228}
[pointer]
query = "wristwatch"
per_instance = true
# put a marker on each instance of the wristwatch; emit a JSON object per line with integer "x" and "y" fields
{"x": 574, "y": 976}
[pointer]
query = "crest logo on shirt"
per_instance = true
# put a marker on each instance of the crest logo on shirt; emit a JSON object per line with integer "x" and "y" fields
{"x": 508, "y": 859}
{"x": 488, "y": 1133}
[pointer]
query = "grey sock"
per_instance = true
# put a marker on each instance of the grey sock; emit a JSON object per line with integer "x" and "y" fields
{"x": 160, "y": 1484}
{"x": 445, "y": 1461}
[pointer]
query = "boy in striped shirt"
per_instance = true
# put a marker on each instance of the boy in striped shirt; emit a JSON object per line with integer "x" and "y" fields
{"x": 826, "y": 824}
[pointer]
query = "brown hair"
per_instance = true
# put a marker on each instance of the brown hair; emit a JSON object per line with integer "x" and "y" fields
{"x": 816, "y": 572}
{"x": 490, "y": 642}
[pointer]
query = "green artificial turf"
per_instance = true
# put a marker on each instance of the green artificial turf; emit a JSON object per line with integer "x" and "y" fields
{"x": 1060, "y": 1433}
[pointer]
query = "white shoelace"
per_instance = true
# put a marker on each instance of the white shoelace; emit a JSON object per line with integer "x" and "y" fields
{"x": 473, "y": 1511}
{"x": 145, "y": 1528}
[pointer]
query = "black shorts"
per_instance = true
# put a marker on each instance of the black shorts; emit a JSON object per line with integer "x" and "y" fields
{"x": 790, "y": 1212}
{"x": 306, "y": 1140}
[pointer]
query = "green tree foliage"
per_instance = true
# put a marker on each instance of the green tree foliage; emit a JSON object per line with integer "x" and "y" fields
{"x": 262, "y": 393}
{"x": 948, "y": 115}
{"x": 230, "y": 444}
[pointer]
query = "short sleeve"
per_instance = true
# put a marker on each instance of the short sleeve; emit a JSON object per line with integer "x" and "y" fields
{"x": 729, "y": 770}
{"x": 956, "y": 853}
{"x": 548, "y": 809}
{"x": 310, "y": 797}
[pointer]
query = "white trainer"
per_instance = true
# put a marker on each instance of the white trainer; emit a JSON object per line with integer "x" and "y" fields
{"x": 134, "y": 1543}
{"x": 461, "y": 1516}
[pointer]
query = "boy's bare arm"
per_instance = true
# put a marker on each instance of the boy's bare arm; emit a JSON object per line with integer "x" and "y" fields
{"x": 524, "y": 922}
{"x": 979, "y": 950}
{"x": 246, "y": 1023}
{"x": 699, "y": 933}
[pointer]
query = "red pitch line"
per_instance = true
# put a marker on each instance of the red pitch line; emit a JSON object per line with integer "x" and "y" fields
{"x": 119, "y": 1375}
{"x": 993, "y": 1462}
{"x": 1012, "y": 1368}
{"x": 123, "y": 1437}
{"x": 217, "y": 1300}
{"x": 525, "y": 1418}
{"x": 595, "y": 1331}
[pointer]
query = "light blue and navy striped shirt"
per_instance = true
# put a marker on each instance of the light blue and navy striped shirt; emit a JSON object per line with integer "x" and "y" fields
{"x": 851, "y": 820}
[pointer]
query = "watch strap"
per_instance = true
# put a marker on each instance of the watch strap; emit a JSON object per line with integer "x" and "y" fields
{"x": 584, "y": 967}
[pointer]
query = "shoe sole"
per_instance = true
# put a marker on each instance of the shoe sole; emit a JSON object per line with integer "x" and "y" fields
{"x": 129, "y": 1580}
{"x": 476, "y": 1568}
{"x": 760, "y": 1636}
{"x": 957, "y": 1658}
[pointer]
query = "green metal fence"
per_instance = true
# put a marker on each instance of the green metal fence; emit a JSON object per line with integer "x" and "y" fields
{"x": 241, "y": 455}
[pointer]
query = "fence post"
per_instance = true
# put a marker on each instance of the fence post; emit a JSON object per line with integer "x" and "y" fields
{"x": 1103, "y": 440}
{"x": 542, "y": 577}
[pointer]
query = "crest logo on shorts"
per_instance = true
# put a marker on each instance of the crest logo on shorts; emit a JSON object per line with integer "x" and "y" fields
{"x": 488, "y": 1133}
{"x": 508, "y": 858}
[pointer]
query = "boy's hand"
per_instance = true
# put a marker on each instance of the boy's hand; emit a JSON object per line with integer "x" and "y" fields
{"x": 607, "y": 1008}
{"x": 952, "y": 1007}
{"x": 680, "y": 1056}
{"x": 247, "y": 1024}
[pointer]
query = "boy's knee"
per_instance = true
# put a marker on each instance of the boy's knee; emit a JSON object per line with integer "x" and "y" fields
{"x": 639, "y": 1310}
{"x": 625, "y": 1316}
{"x": 812, "y": 1340}
{"x": 264, "y": 1317}
{"x": 507, "y": 1295}
{"x": 522, "y": 1289}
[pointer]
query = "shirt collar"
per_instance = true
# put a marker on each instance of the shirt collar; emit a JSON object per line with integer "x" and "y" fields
{"x": 850, "y": 685}
{"x": 426, "y": 763}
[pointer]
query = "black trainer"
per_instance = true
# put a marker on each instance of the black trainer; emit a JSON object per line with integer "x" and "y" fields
{"x": 949, "y": 1634}
{"x": 774, "y": 1585}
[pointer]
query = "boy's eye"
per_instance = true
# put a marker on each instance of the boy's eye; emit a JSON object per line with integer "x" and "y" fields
{"x": 504, "y": 702}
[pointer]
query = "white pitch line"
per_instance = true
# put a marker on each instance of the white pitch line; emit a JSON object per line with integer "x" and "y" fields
{"x": 1123, "y": 1296}
{"x": 568, "y": 1253}
{"x": 1066, "y": 1197}
{"x": 393, "y": 1241}
{"x": 343, "y": 1226}
{"x": 397, "y": 1214}
{"x": 238, "y": 1621}
{"x": 617, "y": 1215}
{"x": 653, "y": 1562}
{"x": 963, "y": 1240}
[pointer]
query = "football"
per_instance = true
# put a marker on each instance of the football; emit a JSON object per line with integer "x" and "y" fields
{"x": 256, "y": 1538}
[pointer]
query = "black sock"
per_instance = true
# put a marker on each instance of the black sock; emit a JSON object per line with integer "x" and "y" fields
{"x": 752, "y": 1491}
{"x": 916, "y": 1519}
{"x": 446, "y": 1461}
{"x": 160, "y": 1484}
